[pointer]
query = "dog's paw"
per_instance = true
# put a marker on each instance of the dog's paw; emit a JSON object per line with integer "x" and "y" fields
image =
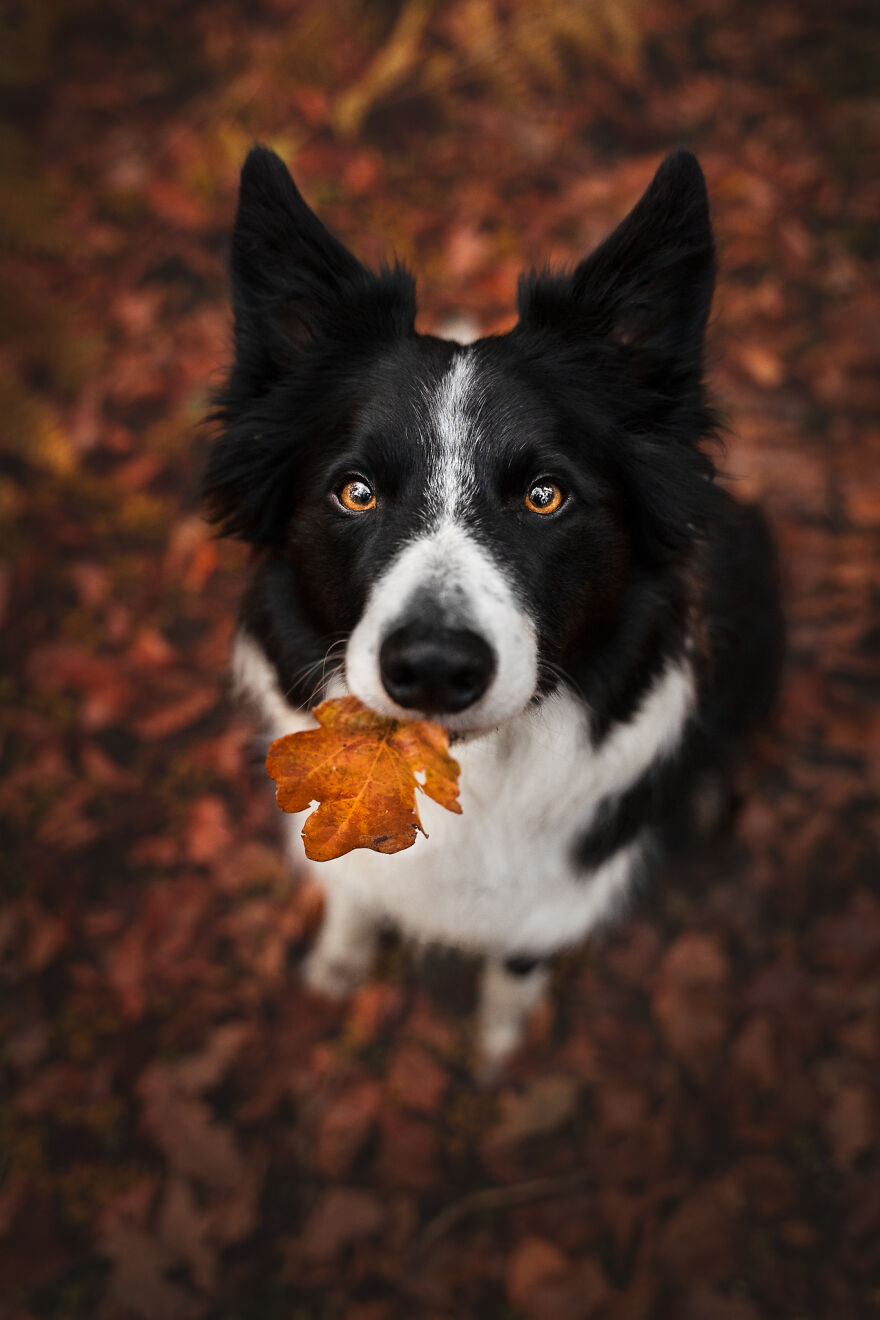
{"x": 331, "y": 977}
{"x": 496, "y": 1044}
{"x": 508, "y": 997}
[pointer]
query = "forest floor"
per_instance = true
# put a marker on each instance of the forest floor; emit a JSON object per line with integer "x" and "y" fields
{"x": 693, "y": 1127}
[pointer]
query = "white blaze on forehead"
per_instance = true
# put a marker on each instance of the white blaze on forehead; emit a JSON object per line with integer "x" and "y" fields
{"x": 453, "y": 420}
{"x": 446, "y": 568}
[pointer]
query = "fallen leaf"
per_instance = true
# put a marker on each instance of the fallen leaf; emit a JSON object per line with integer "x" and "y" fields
{"x": 175, "y": 715}
{"x": 698, "y": 1238}
{"x": 12, "y": 1194}
{"x": 183, "y": 1229}
{"x": 343, "y": 1215}
{"x": 138, "y": 1285}
{"x": 194, "y": 1144}
{"x": 372, "y": 1008}
{"x": 543, "y": 1108}
{"x": 209, "y": 836}
{"x": 621, "y": 1107}
{"x": 534, "y": 1260}
{"x": 707, "y": 1304}
{"x": 345, "y": 1127}
{"x": 689, "y": 996}
{"x": 850, "y": 1123}
{"x": 581, "y": 1292}
{"x": 407, "y": 1154}
{"x": 361, "y": 768}
{"x": 416, "y": 1080}
{"x": 764, "y": 366}
{"x": 754, "y": 1051}
{"x": 197, "y": 1073}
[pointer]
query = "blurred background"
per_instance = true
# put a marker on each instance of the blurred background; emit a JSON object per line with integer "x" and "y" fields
{"x": 692, "y": 1128}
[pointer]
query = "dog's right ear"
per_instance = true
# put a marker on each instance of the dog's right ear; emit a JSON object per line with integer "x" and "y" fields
{"x": 294, "y": 282}
{"x": 303, "y": 305}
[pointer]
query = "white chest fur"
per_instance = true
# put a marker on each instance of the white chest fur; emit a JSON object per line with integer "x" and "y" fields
{"x": 499, "y": 878}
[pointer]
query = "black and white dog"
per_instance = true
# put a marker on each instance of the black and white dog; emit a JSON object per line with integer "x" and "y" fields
{"x": 521, "y": 538}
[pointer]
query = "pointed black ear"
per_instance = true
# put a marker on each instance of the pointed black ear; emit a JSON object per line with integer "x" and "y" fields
{"x": 291, "y": 276}
{"x": 647, "y": 289}
{"x": 306, "y": 310}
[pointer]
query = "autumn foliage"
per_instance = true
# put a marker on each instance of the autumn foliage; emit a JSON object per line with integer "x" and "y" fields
{"x": 692, "y": 1131}
{"x": 363, "y": 771}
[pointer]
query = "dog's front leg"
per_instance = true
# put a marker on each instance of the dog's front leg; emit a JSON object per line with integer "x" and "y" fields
{"x": 345, "y": 946}
{"x": 509, "y": 989}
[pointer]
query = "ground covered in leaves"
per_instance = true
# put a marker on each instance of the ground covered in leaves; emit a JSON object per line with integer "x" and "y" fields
{"x": 693, "y": 1129}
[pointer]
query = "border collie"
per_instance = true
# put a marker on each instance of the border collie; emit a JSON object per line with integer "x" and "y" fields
{"x": 521, "y": 538}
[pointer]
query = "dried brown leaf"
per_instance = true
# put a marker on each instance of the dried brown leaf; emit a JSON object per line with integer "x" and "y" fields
{"x": 362, "y": 769}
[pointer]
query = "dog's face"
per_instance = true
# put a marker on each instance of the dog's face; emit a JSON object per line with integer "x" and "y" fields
{"x": 464, "y": 522}
{"x": 447, "y": 525}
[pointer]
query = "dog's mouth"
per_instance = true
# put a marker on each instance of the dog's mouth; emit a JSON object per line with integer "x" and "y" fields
{"x": 469, "y": 698}
{"x": 461, "y": 726}
{"x": 457, "y": 737}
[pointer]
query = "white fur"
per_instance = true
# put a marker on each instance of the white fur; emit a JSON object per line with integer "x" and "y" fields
{"x": 469, "y": 590}
{"x": 506, "y": 1000}
{"x": 466, "y": 585}
{"x": 500, "y": 878}
{"x": 454, "y": 410}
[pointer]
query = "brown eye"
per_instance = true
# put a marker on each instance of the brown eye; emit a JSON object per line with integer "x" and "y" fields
{"x": 544, "y": 497}
{"x": 357, "y": 496}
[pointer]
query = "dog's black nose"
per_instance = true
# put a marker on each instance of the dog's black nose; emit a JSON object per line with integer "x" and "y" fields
{"x": 436, "y": 670}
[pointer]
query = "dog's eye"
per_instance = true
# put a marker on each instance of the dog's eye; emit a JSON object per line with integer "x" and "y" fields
{"x": 544, "y": 497}
{"x": 357, "y": 496}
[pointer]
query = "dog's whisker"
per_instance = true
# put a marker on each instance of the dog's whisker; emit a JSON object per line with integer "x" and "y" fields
{"x": 549, "y": 667}
{"x": 301, "y": 675}
{"x": 304, "y": 674}
{"x": 318, "y": 690}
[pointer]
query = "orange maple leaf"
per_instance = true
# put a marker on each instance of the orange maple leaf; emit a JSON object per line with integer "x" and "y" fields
{"x": 361, "y": 768}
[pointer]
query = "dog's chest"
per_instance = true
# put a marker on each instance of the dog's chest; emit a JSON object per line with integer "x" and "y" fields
{"x": 502, "y": 876}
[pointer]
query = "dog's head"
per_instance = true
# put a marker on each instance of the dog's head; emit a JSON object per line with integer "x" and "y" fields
{"x": 468, "y": 519}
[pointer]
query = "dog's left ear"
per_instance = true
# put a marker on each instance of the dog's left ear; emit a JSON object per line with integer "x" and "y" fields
{"x": 293, "y": 282}
{"x": 648, "y": 287}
